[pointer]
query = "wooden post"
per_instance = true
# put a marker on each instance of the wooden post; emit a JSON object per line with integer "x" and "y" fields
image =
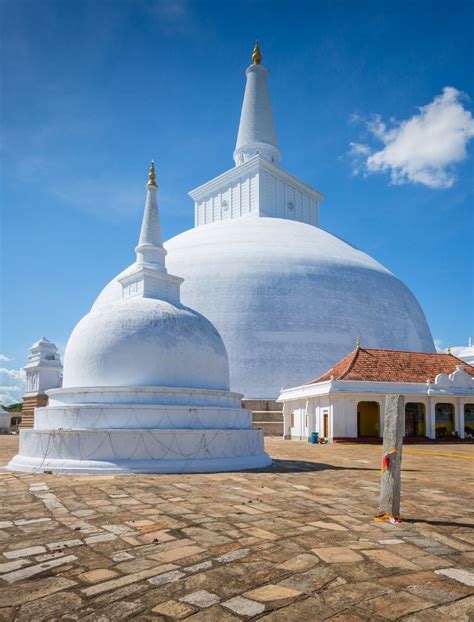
{"x": 394, "y": 429}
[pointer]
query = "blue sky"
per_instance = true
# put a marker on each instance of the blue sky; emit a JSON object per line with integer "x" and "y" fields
{"x": 94, "y": 90}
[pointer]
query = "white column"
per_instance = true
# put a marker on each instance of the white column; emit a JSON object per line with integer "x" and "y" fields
{"x": 460, "y": 417}
{"x": 307, "y": 422}
{"x": 312, "y": 416}
{"x": 431, "y": 422}
{"x": 286, "y": 421}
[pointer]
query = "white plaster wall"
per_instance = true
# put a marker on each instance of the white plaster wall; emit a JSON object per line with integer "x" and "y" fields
{"x": 345, "y": 416}
{"x": 280, "y": 199}
{"x": 263, "y": 194}
{"x": 40, "y": 379}
{"x": 234, "y": 200}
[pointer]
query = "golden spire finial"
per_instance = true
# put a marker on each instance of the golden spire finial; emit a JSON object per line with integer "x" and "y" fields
{"x": 358, "y": 343}
{"x": 152, "y": 175}
{"x": 256, "y": 56}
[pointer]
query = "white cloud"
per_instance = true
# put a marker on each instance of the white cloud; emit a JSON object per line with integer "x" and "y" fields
{"x": 4, "y": 357}
{"x": 439, "y": 345}
{"x": 422, "y": 149}
{"x": 13, "y": 387}
{"x": 12, "y": 373}
{"x": 175, "y": 17}
{"x": 7, "y": 397}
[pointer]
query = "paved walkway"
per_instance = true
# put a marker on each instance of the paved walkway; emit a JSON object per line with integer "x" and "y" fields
{"x": 292, "y": 543}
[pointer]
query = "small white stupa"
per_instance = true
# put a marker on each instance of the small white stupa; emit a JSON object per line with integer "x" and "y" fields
{"x": 146, "y": 384}
{"x": 43, "y": 371}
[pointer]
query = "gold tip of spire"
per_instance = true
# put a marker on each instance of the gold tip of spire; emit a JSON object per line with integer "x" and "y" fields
{"x": 256, "y": 56}
{"x": 152, "y": 175}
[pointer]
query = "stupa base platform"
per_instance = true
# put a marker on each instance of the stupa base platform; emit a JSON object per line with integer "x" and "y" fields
{"x": 139, "y": 451}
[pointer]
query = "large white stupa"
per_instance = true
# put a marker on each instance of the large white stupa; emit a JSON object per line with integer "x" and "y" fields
{"x": 146, "y": 384}
{"x": 288, "y": 298}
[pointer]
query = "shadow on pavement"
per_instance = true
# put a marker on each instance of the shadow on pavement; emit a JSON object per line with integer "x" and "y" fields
{"x": 296, "y": 466}
{"x": 438, "y": 523}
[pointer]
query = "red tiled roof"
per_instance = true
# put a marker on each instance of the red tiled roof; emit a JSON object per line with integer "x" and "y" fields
{"x": 392, "y": 366}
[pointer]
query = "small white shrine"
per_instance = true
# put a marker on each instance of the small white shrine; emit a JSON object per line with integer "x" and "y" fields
{"x": 348, "y": 400}
{"x": 43, "y": 371}
{"x": 146, "y": 384}
{"x": 44, "y": 368}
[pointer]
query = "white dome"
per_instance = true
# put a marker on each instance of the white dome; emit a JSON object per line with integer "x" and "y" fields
{"x": 145, "y": 342}
{"x": 288, "y": 299}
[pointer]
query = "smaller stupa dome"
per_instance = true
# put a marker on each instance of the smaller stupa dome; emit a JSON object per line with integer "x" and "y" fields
{"x": 145, "y": 342}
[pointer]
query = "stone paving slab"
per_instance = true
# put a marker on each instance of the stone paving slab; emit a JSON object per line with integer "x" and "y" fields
{"x": 294, "y": 542}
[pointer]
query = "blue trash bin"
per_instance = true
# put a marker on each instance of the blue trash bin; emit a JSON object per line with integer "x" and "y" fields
{"x": 314, "y": 438}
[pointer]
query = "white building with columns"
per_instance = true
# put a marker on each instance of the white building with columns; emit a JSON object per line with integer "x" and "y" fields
{"x": 348, "y": 401}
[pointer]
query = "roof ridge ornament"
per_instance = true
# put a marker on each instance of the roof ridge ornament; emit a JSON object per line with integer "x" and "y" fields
{"x": 256, "y": 55}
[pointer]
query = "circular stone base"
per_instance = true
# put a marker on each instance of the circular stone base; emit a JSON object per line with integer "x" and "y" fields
{"x": 71, "y": 467}
{"x": 139, "y": 451}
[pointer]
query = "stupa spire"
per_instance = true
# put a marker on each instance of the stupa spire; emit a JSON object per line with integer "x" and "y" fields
{"x": 256, "y": 130}
{"x": 150, "y": 245}
{"x": 148, "y": 276}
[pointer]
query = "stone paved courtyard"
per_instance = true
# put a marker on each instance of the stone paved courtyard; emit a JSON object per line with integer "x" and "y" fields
{"x": 292, "y": 543}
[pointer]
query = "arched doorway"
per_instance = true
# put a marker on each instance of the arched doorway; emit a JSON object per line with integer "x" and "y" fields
{"x": 469, "y": 419}
{"x": 368, "y": 419}
{"x": 444, "y": 419}
{"x": 415, "y": 418}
